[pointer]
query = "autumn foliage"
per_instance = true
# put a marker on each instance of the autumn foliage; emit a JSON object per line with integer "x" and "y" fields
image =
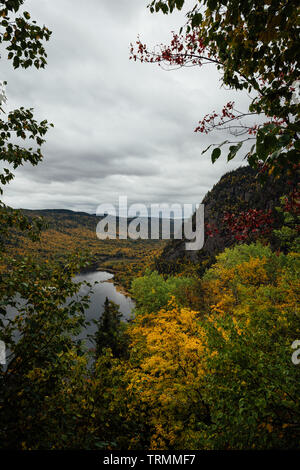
{"x": 221, "y": 377}
{"x": 253, "y": 45}
{"x": 205, "y": 361}
{"x": 249, "y": 225}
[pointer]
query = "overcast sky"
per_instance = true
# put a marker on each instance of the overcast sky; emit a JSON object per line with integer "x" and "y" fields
{"x": 121, "y": 128}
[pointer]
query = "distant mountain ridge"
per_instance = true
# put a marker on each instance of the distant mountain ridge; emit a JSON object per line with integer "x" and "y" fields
{"x": 62, "y": 219}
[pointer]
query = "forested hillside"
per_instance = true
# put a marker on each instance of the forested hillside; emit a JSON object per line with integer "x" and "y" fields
{"x": 65, "y": 232}
{"x": 240, "y": 207}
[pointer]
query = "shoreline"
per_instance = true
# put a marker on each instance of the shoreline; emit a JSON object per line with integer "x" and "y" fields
{"x": 120, "y": 288}
{"x": 95, "y": 267}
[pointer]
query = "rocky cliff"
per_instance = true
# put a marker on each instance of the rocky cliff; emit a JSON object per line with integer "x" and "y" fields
{"x": 236, "y": 192}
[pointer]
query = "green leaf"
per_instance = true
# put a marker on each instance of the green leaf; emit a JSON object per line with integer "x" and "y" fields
{"x": 270, "y": 142}
{"x": 179, "y": 4}
{"x": 196, "y": 20}
{"x": 215, "y": 154}
{"x": 233, "y": 149}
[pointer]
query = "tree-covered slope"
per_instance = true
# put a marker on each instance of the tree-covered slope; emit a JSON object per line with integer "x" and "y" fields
{"x": 236, "y": 193}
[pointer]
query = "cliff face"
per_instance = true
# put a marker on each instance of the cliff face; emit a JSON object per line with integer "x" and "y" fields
{"x": 237, "y": 191}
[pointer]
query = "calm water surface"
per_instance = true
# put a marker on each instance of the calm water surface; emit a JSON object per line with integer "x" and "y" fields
{"x": 97, "y": 298}
{"x": 100, "y": 291}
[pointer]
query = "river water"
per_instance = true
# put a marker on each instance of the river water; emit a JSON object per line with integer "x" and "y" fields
{"x": 101, "y": 290}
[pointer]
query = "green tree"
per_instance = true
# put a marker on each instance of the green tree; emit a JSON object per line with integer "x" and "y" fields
{"x": 40, "y": 314}
{"x": 252, "y": 320}
{"x": 152, "y": 292}
{"x": 22, "y": 41}
{"x": 40, "y": 308}
{"x": 111, "y": 331}
{"x": 288, "y": 234}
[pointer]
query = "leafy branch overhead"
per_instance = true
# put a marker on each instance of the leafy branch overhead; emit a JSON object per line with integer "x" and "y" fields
{"x": 23, "y": 40}
{"x": 22, "y": 37}
{"x": 255, "y": 45}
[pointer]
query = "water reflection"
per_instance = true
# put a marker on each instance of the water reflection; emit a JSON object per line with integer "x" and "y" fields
{"x": 100, "y": 291}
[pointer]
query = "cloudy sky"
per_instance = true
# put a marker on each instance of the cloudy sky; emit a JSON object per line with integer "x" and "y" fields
{"x": 121, "y": 128}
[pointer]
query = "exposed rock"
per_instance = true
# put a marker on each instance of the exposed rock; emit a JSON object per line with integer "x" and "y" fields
{"x": 237, "y": 191}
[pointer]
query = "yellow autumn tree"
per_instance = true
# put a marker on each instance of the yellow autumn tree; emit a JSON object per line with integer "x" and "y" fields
{"x": 165, "y": 380}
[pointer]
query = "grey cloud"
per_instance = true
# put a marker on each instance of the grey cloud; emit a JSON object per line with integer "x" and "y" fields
{"x": 120, "y": 127}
